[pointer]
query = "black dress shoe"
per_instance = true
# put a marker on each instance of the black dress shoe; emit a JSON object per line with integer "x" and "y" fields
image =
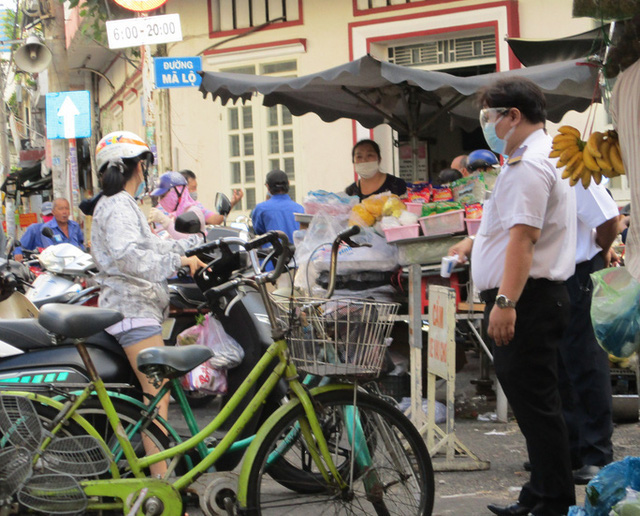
{"x": 515, "y": 509}
{"x": 585, "y": 474}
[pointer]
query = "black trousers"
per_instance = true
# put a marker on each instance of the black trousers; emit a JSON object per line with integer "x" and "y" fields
{"x": 527, "y": 371}
{"x": 584, "y": 377}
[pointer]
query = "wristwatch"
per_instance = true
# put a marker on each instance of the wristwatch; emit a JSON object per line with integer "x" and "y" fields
{"x": 503, "y": 301}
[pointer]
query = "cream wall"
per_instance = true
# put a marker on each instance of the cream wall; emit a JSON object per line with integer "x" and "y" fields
{"x": 197, "y": 137}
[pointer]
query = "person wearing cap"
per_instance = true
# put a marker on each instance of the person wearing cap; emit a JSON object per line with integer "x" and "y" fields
{"x": 32, "y": 237}
{"x": 65, "y": 231}
{"x": 173, "y": 200}
{"x": 210, "y": 217}
{"x": 276, "y": 213}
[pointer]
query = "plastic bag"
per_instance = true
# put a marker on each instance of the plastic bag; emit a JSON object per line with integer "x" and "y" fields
{"x": 227, "y": 353}
{"x": 629, "y": 505}
{"x": 615, "y": 311}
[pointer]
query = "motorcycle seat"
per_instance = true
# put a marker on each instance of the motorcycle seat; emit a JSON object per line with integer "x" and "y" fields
{"x": 75, "y": 321}
{"x": 186, "y": 293}
{"x": 28, "y": 335}
{"x": 173, "y": 361}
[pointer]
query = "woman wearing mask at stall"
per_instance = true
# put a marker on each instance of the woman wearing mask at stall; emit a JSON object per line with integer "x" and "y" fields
{"x": 133, "y": 263}
{"x": 371, "y": 180}
{"x": 174, "y": 200}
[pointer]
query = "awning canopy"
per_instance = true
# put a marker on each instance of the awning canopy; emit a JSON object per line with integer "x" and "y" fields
{"x": 28, "y": 180}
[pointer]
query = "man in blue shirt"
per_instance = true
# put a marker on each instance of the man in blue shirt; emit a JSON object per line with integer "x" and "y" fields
{"x": 31, "y": 239}
{"x": 276, "y": 213}
{"x": 64, "y": 230}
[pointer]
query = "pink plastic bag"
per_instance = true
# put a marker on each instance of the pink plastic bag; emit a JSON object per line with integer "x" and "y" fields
{"x": 211, "y": 376}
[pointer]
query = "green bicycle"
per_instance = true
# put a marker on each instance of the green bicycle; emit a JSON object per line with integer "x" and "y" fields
{"x": 331, "y": 448}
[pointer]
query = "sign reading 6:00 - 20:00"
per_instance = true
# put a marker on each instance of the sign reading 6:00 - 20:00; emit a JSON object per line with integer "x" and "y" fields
{"x": 151, "y": 30}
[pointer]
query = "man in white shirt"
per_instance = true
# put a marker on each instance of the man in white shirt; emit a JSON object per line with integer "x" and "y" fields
{"x": 585, "y": 380}
{"x": 522, "y": 255}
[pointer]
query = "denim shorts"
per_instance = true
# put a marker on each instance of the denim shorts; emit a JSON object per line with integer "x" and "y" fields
{"x": 135, "y": 335}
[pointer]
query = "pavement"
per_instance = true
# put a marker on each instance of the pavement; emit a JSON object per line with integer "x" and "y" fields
{"x": 467, "y": 493}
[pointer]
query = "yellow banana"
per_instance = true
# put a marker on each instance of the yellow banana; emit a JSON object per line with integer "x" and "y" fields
{"x": 597, "y": 176}
{"x": 563, "y": 144}
{"x": 579, "y": 171}
{"x": 586, "y": 179}
{"x": 555, "y": 154}
{"x": 593, "y": 144}
{"x": 574, "y": 160}
{"x": 567, "y": 129}
{"x": 569, "y": 153}
{"x": 566, "y": 173}
{"x": 615, "y": 158}
{"x": 573, "y": 182}
{"x": 604, "y": 150}
{"x": 589, "y": 160}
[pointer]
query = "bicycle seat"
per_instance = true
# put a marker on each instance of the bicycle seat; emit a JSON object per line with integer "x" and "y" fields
{"x": 75, "y": 321}
{"x": 173, "y": 361}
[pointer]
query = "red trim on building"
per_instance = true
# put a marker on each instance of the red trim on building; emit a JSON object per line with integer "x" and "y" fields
{"x": 412, "y": 5}
{"x": 279, "y": 25}
{"x": 256, "y": 46}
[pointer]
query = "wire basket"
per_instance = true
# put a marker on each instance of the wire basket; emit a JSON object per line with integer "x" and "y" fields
{"x": 338, "y": 337}
{"x": 19, "y": 422}
{"x": 15, "y": 469}
{"x": 80, "y": 456}
{"x": 53, "y": 494}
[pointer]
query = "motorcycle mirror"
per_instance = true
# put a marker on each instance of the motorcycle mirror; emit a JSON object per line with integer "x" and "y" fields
{"x": 223, "y": 205}
{"x": 47, "y": 231}
{"x": 188, "y": 223}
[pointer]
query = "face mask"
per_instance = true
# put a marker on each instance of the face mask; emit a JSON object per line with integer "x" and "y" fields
{"x": 367, "y": 169}
{"x": 496, "y": 144}
{"x": 141, "y": 189}
{"x": 194, "y": 196}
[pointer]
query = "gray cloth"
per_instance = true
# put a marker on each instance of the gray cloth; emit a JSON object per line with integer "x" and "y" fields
{"x": 134, "y": 263}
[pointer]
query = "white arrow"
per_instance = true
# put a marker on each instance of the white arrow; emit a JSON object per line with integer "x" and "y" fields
{"x": 68, "y": 111}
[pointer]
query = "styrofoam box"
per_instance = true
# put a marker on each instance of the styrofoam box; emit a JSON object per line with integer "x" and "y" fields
{"x": 443, "y": 223}
{"x": 472, "y": 225}
{"x": 402, "y": 232}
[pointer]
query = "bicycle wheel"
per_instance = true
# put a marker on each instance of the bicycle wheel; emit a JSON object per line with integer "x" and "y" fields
{"x": 392, "y": 471}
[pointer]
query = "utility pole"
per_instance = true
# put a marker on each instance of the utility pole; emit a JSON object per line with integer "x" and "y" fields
{"x": 58, "y": 81}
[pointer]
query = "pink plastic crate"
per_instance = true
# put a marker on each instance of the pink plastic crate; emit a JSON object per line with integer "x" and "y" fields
{"x": 415, "y": 207}
{"x": 472, "y": 225}
{"x": 443, "y": 223}
{"x": 402, "y": 232}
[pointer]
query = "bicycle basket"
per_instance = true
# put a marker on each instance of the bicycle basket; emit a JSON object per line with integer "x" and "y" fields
{"x": 338, "y": 337}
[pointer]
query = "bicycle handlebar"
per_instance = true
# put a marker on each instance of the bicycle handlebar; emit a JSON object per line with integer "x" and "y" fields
{"x": 343, "y": 236}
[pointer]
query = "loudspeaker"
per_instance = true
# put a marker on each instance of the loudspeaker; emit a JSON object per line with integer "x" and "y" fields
{"x": 33, "y": 56}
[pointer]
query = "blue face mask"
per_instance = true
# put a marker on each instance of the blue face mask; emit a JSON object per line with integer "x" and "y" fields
{"x": 496, "y": 144}
{"x": 141, "y": 189}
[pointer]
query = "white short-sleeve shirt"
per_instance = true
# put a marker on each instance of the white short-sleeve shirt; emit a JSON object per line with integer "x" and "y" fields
{"x": 529, "y": 190}
{"x": 625, "y": 111}
{"x": 594, "y": 207}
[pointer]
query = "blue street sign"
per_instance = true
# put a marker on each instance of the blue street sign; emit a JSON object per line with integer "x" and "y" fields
{"x": 68, "y": 115}
{"x": 177, "y": 72}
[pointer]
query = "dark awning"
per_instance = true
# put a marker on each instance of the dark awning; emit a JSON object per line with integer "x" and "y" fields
{"x": 533, "y": 52}
{"x": 28, "y": 180}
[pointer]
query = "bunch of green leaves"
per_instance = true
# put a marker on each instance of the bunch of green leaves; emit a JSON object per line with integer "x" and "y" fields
{"x": 97, "y": 13}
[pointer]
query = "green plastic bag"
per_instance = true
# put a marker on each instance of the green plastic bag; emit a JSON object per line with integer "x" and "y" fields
{"x": 615, "y": 311}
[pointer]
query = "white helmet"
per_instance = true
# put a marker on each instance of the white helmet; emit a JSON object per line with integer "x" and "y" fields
{"x": 118, "y": 145}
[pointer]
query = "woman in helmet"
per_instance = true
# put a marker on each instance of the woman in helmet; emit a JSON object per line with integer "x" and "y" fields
{"x": 481, "y": 160}
{"x": 174, "y": 200}
{"x": 133, "y": 263}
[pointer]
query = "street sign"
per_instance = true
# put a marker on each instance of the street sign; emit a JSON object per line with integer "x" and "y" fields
{"x": 68, "y": 114}
{"x": 177, "y": 72}
{"x": 149, "y": 30}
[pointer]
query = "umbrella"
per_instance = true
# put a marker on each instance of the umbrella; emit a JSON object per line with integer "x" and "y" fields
{"x": 409, "y": 100}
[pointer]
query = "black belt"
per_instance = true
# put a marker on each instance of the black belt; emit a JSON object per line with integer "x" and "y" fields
{"x": 489, "y": 296}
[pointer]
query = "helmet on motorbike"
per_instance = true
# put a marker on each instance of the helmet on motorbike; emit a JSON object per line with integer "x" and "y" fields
{"x": 8, "y": 285}
{"x": 480, "y": 159}
{"x": 167, "y": 181}
{"x": 121, "y": 144}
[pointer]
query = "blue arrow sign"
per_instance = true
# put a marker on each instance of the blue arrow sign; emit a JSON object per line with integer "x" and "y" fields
{"x": 68, "y": 115}
{"x": 177, "y": 72}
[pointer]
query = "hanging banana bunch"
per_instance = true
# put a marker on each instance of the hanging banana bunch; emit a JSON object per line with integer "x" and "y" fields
{"x": 582, "y": 160}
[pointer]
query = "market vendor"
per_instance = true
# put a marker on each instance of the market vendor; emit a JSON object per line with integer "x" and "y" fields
{"x": 371, "y": 180}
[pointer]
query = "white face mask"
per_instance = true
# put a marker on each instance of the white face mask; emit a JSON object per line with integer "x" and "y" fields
{"x": 194, "y": 195}
{"x": 367, "y": 169}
